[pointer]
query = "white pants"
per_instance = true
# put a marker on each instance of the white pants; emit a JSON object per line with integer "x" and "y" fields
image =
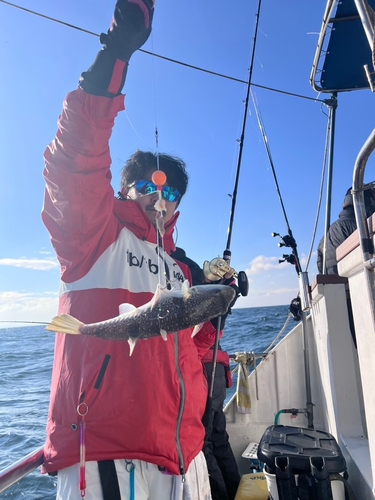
{"x": 150, "y": 483}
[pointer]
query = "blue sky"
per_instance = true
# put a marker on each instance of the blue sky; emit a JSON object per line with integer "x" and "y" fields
{"x": 199, "y": 118}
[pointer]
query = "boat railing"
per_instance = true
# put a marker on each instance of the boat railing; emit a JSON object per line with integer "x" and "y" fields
{"x": 365, "y": 241}
{"x": 249, "y": 358}
{"x": 315, "y": 67}
{"x": 367, "y": 16}
{"x": 20, "y": 469}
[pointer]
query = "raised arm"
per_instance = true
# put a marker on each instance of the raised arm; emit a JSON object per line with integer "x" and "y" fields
{"x": 78, "y": 207}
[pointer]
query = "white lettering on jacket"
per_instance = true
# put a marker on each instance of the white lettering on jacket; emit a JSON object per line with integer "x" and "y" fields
{"x": 131, "y": 264}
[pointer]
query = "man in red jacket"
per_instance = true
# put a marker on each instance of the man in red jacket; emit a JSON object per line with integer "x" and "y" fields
{"x": 119, "y": 426}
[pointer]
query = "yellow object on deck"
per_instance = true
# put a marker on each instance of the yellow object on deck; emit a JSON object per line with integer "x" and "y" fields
{"x": 243, "y": 388}
{"x": 252, "y": 487}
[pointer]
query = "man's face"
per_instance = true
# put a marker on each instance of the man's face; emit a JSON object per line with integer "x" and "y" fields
{"x": 147, "y": 202}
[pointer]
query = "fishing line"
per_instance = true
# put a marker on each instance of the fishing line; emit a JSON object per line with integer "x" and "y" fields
{"x": 26, "y": 322}
{"x": 155, "y": 105}
{"x": 322, "y": 110}
{"x": 266, "y": 144}
{"x": 197, "y": 68}
{"x": 244, "y": 287}
{"x": 140, "y": 50}
{"x": 329, "y": 124}
{"x": 134, "y": 129}
{"x": 159, "y": 237}
{"x": 284, "y": 92}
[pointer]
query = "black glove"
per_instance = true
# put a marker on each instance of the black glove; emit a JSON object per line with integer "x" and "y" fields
{"x": 230, "y": 282}
{"x": 130, "y": 29}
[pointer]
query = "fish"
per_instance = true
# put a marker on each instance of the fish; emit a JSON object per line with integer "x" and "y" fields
{"x": 167, "y": 312}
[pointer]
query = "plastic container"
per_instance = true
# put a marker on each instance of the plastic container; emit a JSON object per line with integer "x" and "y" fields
{"x": 299, "y": 444}
{"x": 299, "y": 459}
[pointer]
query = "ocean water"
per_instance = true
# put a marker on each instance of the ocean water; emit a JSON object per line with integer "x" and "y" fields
{"x": 26, "y": 356}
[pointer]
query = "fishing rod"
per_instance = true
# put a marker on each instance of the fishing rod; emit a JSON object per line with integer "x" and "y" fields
{"x": 288, "y": 240}
{"x": 227, "y": 251}
{"x": 218, "y": 268}
{"x": 303, "y": 302}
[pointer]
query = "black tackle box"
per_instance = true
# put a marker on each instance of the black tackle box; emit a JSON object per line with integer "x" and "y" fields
{"x": 299, "y": 444}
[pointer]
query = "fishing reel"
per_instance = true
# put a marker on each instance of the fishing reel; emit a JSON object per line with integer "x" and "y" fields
{"x": 285, "y": 241}
{"x": 288, "y": 258}
{"x": 216, "y": 270}
{"x": 289, "y": 242}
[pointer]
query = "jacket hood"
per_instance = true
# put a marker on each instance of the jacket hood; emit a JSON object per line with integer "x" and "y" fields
{"x": 348, "y": 200}
{"x": 131, "y": 215}
{"x": 369, "y": 199}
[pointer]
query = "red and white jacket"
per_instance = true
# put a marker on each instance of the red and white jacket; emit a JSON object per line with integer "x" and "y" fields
{"x": 148, "y": 406}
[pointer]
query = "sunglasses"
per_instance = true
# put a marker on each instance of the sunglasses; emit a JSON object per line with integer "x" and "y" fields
{"x": 148, "y": 187}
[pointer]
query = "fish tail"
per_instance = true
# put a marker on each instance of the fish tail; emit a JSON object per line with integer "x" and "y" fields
{"x": 65, "y": 324}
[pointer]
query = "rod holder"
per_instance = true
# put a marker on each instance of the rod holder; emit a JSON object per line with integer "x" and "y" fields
{"x": 304, "y": 291}
{"x": 286, "y": 484}
{"x": 321, "y": 481}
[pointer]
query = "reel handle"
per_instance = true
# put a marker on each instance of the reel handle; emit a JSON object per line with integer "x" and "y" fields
{"x": 243, "y": 283}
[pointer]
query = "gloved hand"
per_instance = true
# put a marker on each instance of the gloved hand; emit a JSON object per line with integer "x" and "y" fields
{"x": 232, "y": 283}
{"x": 130, "y": 29}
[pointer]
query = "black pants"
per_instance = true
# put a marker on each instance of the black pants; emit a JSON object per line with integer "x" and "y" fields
{"x": 221, "y": 464}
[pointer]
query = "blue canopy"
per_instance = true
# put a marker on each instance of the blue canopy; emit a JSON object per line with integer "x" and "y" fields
{"x": 347, "y": 52}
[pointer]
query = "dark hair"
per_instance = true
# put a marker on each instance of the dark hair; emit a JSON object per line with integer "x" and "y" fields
{"x": 142, "y": 162}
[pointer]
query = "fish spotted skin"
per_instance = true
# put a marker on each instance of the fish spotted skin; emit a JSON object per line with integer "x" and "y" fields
{"x": 169, "y": 311}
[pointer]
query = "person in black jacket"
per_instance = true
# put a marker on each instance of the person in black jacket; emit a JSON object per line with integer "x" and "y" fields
{"x": 337, "y": 234}
{"x": 342, "y": 229}
{"x": 221, "y": 464}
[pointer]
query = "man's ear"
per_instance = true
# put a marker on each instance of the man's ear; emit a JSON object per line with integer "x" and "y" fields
{"x": 124, "y": 192}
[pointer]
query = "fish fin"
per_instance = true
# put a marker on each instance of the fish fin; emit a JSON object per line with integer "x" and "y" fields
{"x": 197, "y": 329}
{"x": 185, "y": 289}
{"x": 132, "y": 343}
{"x": 163, "y": 333}
{"x": 65, "y": 324}
{"x": 126, "y": 308}
{"x": 156, "y": 297}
